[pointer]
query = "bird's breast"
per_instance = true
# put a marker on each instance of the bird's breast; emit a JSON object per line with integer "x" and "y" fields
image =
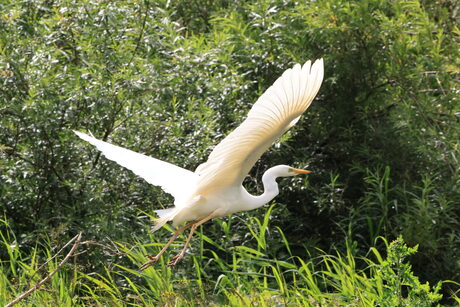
{"x": 225, "y": 202}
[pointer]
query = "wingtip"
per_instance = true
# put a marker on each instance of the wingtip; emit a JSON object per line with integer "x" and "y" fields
{"x": 83, "y": 135}
{"x": 319, "y": 62}
{"x": 306, "y": 64}
{"x": 310, "y": 66}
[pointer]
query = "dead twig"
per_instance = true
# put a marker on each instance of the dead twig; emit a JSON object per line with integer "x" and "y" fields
{"x": 24, "y": 295}
{"x": 55, "y": 255}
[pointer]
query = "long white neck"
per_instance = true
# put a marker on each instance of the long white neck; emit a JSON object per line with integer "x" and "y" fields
{"x": 270, "y": 189}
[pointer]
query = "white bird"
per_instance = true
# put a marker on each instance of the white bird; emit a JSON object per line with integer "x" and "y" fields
{"x": 215, "y": 188}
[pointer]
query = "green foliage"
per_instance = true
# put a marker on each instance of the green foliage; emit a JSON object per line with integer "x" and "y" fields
{"x": 172, "y": 78}
{"x": 253, "y": 276}
{"x": 397, "y": 278}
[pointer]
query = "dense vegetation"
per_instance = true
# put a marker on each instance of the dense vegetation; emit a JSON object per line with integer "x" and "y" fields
{"x": 171, "y": 79}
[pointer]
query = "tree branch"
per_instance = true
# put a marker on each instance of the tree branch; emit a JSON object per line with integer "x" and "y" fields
{"x": 24, "y": 295}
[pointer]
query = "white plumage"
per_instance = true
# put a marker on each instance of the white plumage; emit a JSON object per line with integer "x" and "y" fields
{"x": 215, "y": 188}
{"x": 172, "y": 179}
{"x": 274, "y": 113}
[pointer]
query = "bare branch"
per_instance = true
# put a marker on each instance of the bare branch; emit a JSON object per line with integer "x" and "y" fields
{"x": 24, "y": 295}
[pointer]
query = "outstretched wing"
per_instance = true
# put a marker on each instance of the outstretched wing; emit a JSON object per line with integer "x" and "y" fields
{"x": 172, "y": 179}
{"x": 277, "y": 110}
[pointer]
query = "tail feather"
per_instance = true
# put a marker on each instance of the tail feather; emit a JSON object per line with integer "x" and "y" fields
{"x": 164, "y": 216}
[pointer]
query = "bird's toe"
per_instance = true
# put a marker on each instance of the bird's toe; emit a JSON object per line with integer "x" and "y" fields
{"x": 175, "y": 260}
{"x": 148, "y": 263}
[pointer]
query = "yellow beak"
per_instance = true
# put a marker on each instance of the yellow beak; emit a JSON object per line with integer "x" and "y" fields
{"x": 300, "y": 171}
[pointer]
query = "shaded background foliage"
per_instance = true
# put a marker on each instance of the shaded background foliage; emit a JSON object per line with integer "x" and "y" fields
{"x": 172, "y": 78}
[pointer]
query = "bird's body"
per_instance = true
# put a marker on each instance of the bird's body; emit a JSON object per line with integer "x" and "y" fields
{"x": 215, "y": 188}
{"x": 223, "y": 202}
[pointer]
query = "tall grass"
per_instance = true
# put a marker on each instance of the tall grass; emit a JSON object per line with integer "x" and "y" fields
{"x": 250, "y": 276}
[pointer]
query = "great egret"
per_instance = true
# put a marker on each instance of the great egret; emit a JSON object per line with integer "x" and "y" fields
{"x": 215, "y": 188}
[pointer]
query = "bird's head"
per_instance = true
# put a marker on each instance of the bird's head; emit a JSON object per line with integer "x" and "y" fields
{"x": 288, "y": 171}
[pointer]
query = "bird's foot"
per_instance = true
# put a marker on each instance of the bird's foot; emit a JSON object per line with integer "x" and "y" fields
{"x": 175, "y": 260}
{"x": 149, "y": 263}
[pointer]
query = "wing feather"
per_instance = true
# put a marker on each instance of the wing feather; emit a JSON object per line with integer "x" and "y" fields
{"x": 172, "y": 179}
{"x": 278, "y": 109}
